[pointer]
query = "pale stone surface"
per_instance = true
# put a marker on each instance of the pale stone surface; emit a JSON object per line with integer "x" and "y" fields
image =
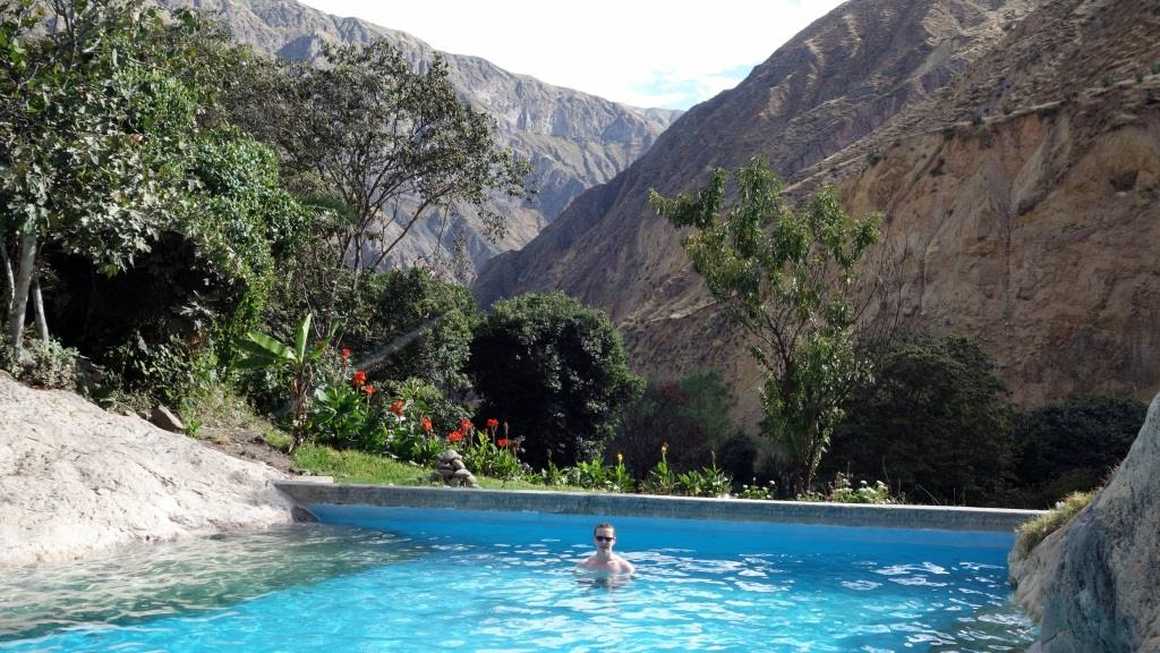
{"x": 1096, "y": 582}
{"x": 75, "y": 479}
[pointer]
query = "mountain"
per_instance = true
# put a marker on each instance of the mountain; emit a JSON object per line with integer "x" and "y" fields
{"x": 1008, "y": 143}
{"x": 573, "y": 140}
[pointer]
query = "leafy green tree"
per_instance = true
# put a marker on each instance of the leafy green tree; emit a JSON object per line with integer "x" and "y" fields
{"x": 441, "y": 315}
{"x": 392, "y": 143}
{"x": 788, "y": 277}
{"x": 119, "y": 173}
{"x": 1072, "y": 445}
{"x": 690, "y": 415}
{"x": 556, "y": 371}
{"x": 935, "y": 422}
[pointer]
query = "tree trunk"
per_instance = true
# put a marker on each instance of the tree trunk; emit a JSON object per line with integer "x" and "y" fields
{"x": 38, "y": 307}
{"x": 9, "y": 278}
{"x": 26, "y": 267}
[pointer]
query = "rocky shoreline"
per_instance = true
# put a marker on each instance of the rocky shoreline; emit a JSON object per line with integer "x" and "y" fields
{"x": 76, "y": 480}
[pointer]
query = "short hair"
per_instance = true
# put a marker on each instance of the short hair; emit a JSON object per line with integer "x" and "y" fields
{"x": 604, "y": 525}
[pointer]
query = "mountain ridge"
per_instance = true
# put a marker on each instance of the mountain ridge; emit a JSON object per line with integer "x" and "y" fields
{"x": 572, "y": 139}
{"x": 919, "y": 71}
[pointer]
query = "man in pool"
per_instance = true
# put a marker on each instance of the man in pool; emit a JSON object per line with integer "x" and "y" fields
{"x": 604, "y": 560}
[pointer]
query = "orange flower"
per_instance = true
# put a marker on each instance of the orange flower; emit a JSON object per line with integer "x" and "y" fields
{"x": 454, "y": 436}
{"x": 359, "y": 379}
{"x": 503, "y": 443}
{"x": 368, "y": 390}
{"x": 345, "y": 353}
{"x": 397, "y": 407}
{"x": 465, "y": 425}
{"x": 427, "y": 426}
{"x": 493, "y": 423}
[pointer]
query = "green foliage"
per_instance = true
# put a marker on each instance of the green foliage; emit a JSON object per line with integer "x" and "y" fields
{"x": 420, "y": 327}
{"x": 1034, "y": 531}
{"x": 661, "y": 479}
{"x": 788, "y": 277}
{"x": 556, "y": 371}
{"x": 1156, "y": 67}
{"x": 343, "y": 417}
{"x": 351, "y": 466}
{"x": 298, "y": 359}
{"x": 386, "y": 138}
{"x": 705, "y": 482}
{"x": 49, "y": 365}
{"x": 692, "y": 416}
{"x": 426, "y": 400}
{"x": 755, "y": 490}
{"x": 935, "y": 421}
{"x": 1073, "y": 445}
{"x": 490, "y": 455}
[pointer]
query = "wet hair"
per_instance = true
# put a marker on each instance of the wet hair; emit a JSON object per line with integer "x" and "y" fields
{"x": 604, "y": 525}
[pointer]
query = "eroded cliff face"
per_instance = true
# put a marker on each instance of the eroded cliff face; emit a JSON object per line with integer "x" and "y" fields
{"x": 1093, "y": 583}
{"x": 1020, "y": 193}
{"x": 573, "y": 140}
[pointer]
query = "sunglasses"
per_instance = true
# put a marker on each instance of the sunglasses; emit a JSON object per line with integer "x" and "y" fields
{"x": 605, "y": 538}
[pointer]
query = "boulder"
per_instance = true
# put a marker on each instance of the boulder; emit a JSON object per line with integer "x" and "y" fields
{"x": 1095, "y": 583}
{"x": 75, "y": 479}
{"x": 164, "y": 418}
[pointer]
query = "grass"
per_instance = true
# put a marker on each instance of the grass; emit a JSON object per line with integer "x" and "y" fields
{"x": 1033, "y": 532}
{"x": 359, "y": 467}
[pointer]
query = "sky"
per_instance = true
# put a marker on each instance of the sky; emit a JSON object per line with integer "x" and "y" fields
{"x": 640, "y": 52}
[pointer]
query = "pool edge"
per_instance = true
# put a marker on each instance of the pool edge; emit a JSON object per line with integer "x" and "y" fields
{"x": 954, "y": 518}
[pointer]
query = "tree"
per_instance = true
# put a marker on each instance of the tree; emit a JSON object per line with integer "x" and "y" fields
{"x": 556, "y": 371}
{"x": 788, "y": 277}
{"x": 935, "y": 422}
{"x": 443, "y": 317}
{"x": 158, "y": 221}
{"x": 392, "y": 143}
{"x": 690, "y": 415}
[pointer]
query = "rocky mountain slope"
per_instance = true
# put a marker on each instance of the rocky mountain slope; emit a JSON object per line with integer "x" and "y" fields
{"x": 573, "y": 140}
{"x": 1020, "y": 192}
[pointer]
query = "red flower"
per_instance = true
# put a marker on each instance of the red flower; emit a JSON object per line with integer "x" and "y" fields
{"x": 345, "y": 353}
{"x": 465, "y": 425}
{"x": 504, "y": 443}
{"x": 397, "y": 407}
{"x": 493, "y": 423}
{"x": 359, "y": 379}
{"x": 454, "y": 436}
{"x": 426, "y": 422}
{"x": 368, "y": 390}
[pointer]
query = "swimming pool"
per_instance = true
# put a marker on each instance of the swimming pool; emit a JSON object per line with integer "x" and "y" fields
{"x": 404, "y": 579}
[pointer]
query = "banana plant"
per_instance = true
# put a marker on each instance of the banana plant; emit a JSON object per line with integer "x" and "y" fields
{"x": 260, "y": 351}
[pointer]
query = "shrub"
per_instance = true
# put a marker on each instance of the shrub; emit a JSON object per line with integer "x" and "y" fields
{"x": 1031, "y": 533}
{"x": 935, "y": 422}
{"x": 841, "y": 490}
{"x": 661, "y": 479}
{"x": 756, "y": 490}
{"x": 555, "y": 370}
{"x": 487, "y": 452}
{"x": 48, "y": 364}
{"x": 705, "y": 482}
{"x": 1071, "y": 445}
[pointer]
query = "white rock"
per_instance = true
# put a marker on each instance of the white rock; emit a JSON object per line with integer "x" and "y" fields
{"x": 75, "y": 479}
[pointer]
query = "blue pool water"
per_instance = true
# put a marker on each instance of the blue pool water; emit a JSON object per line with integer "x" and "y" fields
{"x": 407, "y": 580}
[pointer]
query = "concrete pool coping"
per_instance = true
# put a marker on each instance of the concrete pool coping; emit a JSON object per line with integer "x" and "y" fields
{"x": 954, "y": 518}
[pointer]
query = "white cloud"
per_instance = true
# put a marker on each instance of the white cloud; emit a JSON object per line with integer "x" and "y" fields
{"x": 642, "y": 52}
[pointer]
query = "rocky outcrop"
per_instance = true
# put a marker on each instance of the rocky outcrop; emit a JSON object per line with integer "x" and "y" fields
{"x": 1009, "y": 144}
{"x": 451, "y": 470}
{"x": 1095, "y": 583}
{"x": 572, "y": 140}
{"x": 75, "y": 479}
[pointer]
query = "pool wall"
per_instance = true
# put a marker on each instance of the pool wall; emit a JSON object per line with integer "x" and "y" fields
{"x": 308, "y": 494}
